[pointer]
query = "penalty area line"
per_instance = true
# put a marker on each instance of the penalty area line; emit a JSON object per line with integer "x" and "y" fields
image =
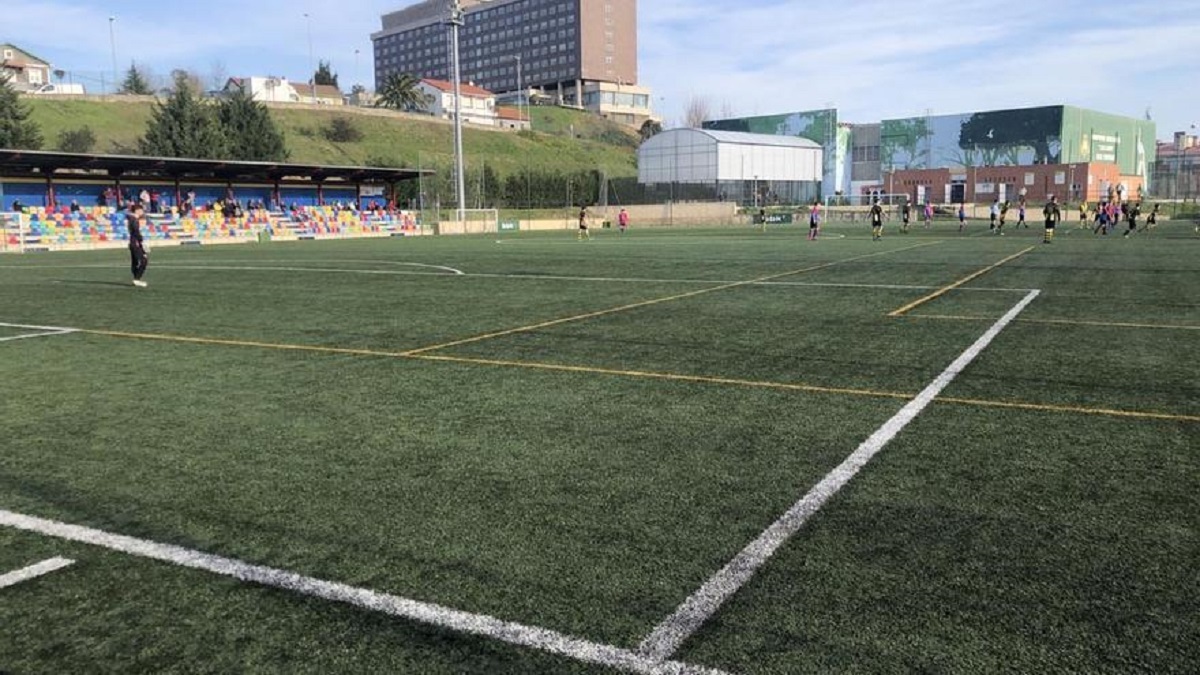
{"x": 34, "y": 571}
{"x": 671, "y": 633}
{"x": 42, "y": 331}
{"x": 542, "y": 639}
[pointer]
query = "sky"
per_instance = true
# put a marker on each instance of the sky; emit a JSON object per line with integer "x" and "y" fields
{"x": 872, "y": 59}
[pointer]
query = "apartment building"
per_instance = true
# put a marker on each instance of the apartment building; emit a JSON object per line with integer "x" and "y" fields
{"x": 581, "y": 53}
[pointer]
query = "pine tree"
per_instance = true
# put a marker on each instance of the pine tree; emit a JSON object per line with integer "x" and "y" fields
{"x": 249, "y": 131}
{"x": 325, "y": 75}
{"x": 183, "y": 126}
{"x": 135, "y": 82}
{"x": 17, "y": 131}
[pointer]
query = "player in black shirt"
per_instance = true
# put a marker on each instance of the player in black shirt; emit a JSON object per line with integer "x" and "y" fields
{"x": 906, "y": 216}
{"x": 1131, "y": 217}
{"x": 1053, "y": 217}
{"x": 138, "y": 253}
{"x": 876, "y": 221}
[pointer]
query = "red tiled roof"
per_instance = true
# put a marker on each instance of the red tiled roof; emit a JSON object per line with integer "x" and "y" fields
{"x": 507, "y": 113}
{"x": 467, "y": 89}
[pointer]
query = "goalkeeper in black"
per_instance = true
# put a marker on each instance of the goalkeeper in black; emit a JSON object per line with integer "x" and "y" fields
{"x": 138, "y": 253}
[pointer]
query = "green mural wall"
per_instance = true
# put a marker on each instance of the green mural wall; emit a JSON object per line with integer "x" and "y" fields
{"x": 1090, "y": 136}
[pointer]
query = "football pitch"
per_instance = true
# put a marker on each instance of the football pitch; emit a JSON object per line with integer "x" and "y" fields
{"x": 709, "y": 450}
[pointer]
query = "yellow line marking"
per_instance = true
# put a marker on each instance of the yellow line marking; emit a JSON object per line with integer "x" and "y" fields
{"x": 965, "y": 280}
{"x": 1048, "y": 407}
{"x": 699, "y": 379}
{"x": 1059, "y": 322}
{"x": 656, "y": 301}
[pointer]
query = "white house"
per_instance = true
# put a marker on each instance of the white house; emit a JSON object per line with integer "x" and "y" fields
{"x": 478, "y": 105}
{"x": 280, "y": 90}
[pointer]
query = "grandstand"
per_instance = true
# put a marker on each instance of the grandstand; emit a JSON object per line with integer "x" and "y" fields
{"x": 61, "y": 200}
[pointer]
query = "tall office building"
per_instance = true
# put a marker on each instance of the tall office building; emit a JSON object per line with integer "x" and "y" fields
{"x": 576, "y": 52}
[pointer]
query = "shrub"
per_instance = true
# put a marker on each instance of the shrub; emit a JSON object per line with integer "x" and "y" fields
{"x": 77, "y": 140}
{"x": 342, "y": 130}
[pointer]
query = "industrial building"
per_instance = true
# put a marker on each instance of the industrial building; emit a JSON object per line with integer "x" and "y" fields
{"x": 581, "y": 53}
{"x": 978, "y": 156}
{"x": 748, "y": 168}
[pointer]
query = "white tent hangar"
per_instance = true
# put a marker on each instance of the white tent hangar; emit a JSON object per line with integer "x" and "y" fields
{"x": 752, "y": 168}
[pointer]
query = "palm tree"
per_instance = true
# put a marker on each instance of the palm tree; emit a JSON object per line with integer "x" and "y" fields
{"x": 400, "y": 92}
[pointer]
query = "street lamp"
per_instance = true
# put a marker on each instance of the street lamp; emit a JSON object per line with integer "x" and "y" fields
{"x": 456, "y": 22}
{"x": 311, "y": 66}
{"x": 357, "y": 71}
{"x": 112, "y": 42}
{"x": 523, "y": 94}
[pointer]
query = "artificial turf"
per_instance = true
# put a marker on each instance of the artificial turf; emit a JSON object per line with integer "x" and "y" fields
{"x": 593, "y": 496}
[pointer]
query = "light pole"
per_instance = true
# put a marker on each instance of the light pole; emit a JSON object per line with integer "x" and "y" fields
{"x": 522, "y": 95}
{"x": 112, "y": 43}
{"x": 456, "y": 22}
{"x": 312, "y": 78}
{"x": 357, "y": 71}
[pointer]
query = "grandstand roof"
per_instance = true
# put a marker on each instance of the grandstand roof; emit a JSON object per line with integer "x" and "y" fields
{"x": 37, "y": 163}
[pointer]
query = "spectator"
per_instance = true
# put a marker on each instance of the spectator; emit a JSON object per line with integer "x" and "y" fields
{"x": 74, "y": 206}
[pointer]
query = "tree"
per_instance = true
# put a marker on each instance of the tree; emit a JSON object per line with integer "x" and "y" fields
{"x": 697, "y": 112}
{"x": 191, "y": 77}
{"x": 325, "y": 75}
{"x": 17, "y": 131}
{"x": 249, "y": 131}
{"x": 400, "y": 92}
{"x": 136, "y": 82}
{"x": 218, "y": 75}
{"x": 650, "y": 128}
{"x": 183, "y": 126}
{"x": 77, "y": 140}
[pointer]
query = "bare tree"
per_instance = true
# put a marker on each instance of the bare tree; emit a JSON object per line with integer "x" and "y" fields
{"x": 189, "y": 77}
{"x": 697, "y": 112}
{"x": 218, "y": 74}
{"x": 727, "y": 111}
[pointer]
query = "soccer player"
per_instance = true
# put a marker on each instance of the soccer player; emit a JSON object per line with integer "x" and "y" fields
{"x": 1101, "y": 219}
{"x": 139, "y": 255}
{"x": 1131, "y": 216}
{"x": 905, "y": 216}
{"x": 814, "y": 220}
{"x": 583, "y": 224}
{"x": 962, "y": 216}
{"x": 876, "y": 221}
{"x": 1021, "y": 214}
{"x": 623, "y": 220}
{"x": 928, "y": 215}
{"x": 1151, "y": 220}
{"x": 1083, "y": 213}
{"x": 1053, "y": 217}
{"x": 995, "y": 214}
{"x": 1003, "y": 219}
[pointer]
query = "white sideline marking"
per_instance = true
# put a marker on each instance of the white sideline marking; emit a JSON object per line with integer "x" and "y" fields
{"x": 544, "y": 277}
{"x": 422, "y": 612}
{"x": 43, "y": 331}
{"x": 33, "y": 571}
{"x": 669, "y": 635}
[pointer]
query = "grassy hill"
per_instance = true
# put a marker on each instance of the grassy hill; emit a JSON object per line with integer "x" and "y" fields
{"x": 563, "y": 139}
